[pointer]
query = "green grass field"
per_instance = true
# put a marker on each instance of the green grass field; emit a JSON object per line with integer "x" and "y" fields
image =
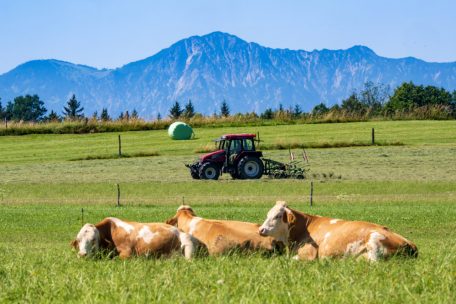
{"x": 410, "y": 188}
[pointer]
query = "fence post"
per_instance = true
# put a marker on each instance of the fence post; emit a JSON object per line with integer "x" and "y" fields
{"x": 6, "y": 123}
{"x": 118, "y": 195}
{"x": 258, "y": 140}
{"x": 311, "y": 193}
{"x": 120, "y": 147}
{"x": 373, "y": 136}
{"x": 82, "y": 216}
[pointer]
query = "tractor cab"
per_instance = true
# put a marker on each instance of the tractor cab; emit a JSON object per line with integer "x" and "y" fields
{"x": 236, "y": 145}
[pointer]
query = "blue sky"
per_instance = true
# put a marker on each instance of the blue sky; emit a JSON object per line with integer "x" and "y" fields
{"x": 109, "y": 34}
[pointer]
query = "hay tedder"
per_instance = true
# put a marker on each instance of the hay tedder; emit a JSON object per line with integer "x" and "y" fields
{"x": 236, "y": 154}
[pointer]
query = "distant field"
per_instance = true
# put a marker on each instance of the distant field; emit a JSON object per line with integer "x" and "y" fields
{"x": 410, "y": 188}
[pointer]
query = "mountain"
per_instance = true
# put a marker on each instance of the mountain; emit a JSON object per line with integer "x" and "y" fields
{"x": 215, "y": 67}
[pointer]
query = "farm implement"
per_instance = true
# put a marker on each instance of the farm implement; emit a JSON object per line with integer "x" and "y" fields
{"x": 236, "y": 155}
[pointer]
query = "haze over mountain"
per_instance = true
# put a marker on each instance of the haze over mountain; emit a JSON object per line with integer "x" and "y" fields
{"x": 215, "y": 67}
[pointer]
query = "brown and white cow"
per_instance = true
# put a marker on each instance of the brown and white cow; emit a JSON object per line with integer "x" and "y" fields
{"x": 319, "y": 237}
{"x": 131, "y": 238}
{"x": 221, "y": 236}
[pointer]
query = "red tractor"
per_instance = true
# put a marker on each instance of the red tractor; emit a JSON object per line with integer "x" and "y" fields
{"x": 236, "y": 155}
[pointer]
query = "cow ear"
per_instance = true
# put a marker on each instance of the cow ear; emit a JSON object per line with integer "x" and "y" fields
{"x": 74, "y": 244}
{"x": 282, "y": 203}
{"x": 190, "y": 210}
{"x": 290, "y": 217}
{"x": 285, "y": 217}
{"x": 172, "y": 221}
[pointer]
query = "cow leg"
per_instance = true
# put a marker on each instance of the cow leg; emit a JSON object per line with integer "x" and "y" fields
{"x": 187, "y": 244}
{"x": 307, "y": 252}
{"x": 356, "y": 249}
{"x": 375, "y": 248}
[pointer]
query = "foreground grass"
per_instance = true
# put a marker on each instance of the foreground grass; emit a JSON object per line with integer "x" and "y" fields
{"x": 57, "y": 276}
{"x": 42, "y": 268}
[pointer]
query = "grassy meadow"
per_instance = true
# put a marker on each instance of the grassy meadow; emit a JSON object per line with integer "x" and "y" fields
{"x": 410, "y": 188}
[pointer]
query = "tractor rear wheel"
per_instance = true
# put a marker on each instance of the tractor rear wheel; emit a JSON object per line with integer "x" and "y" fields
{"x": 250, "y": 168}
{"x": 209, "y": 171}
{"x": 234, "y": 175}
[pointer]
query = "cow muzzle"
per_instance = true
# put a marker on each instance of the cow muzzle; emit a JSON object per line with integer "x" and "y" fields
{"x": 263, "y": 231}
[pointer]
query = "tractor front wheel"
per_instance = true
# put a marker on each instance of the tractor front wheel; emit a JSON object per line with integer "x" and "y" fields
{"x": 250, "y": 168}
{"x": 234, "y": 175}
{"x": 194, "y": 175}
{"x": 209, "y": 171}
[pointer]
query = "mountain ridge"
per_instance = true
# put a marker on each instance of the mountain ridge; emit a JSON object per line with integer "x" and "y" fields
{"x": 215, "y": 67}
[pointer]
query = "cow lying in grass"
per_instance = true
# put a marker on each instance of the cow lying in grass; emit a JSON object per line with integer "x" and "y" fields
{"x": 319, "y": 237}
{"x": 220, "y": 236}
{"x": 130, "y": 238}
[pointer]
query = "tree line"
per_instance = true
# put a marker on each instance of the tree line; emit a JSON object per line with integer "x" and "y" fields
{"x": 373, "y": 100}
{"x": 31, "y": 108}
{"x": 176, "y": 111}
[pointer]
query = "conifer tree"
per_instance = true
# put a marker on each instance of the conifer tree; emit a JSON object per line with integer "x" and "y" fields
{"x": 175, "y": 112}
{"x": 189, "y": 110}
{"x": 224, "y": 109}
{"x": 297, "y": 111}
{"x": 73, "y": 109}
{"x": 134, "y": 114}
{"x": 53, "y": 116}
{"x": 104, "y": 115}
{"x": 267, "y": 114}
{"x": 281, "y": 108}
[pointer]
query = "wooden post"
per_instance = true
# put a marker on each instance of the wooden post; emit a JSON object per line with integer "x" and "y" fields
{"x": 311, "y": 193}
{"x": 183, "y": 200}
{"x": 118, "y": 194}
{"x": 82, "y": 216}
{"x": 373, "y": 136}
{"x": 304, "y": 155}
{"x": 120, "y": 147}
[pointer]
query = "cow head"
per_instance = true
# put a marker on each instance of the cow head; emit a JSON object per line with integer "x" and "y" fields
{"x": 277, "y": 222}
{"x": 87, "y": 241}
{"x": 182, "y": 210}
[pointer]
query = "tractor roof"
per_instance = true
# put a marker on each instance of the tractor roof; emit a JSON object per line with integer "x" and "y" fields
{"x": 236, "y": 136}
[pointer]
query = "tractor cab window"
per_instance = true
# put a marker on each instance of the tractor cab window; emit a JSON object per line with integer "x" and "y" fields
{"x": 248, "y": 145}
{"x": 235, "y": 146}
{"x": 222, "y": 145}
